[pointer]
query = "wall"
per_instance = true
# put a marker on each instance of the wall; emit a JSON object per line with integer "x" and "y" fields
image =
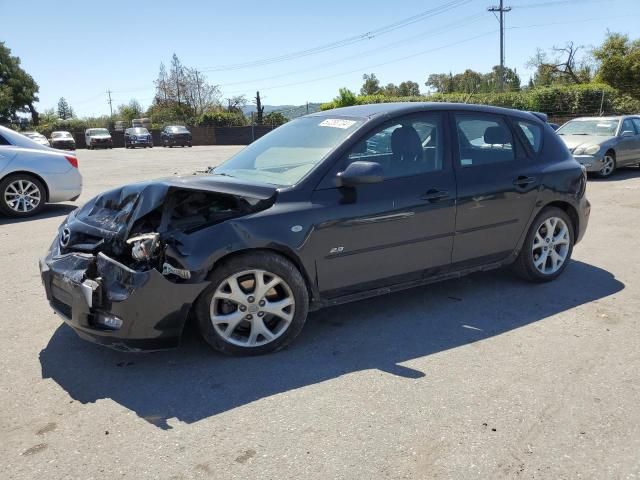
{"x": 200, "y": 136}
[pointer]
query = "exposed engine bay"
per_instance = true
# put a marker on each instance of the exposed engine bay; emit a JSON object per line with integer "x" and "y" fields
{"x": 136, "y": 225}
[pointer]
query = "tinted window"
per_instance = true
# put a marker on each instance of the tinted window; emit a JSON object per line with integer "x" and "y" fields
{"x": 4, "y": 141}
{"x": 636, "y": 122}
{"x": 407, "y": 146}
{"x": 627, "y": 124}
{"x": 483, "y": 139}
{"x": 533, "y": 134}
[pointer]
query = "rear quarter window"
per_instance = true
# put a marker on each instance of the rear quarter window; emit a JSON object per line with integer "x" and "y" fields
{"x": 532, "y": 133}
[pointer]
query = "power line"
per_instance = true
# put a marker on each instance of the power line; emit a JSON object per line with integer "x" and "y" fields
{"x": 346, "y": 41}
{"x": 367, "y": 67}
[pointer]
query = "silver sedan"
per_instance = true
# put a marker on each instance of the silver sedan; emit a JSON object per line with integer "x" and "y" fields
{"x": 603, "y": 144}
{"x": 32, "y": 175}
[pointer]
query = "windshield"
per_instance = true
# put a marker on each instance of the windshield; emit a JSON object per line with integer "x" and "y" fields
{"x": 178, "y": 130}
{"x": 139, "y": 130}
{"x": 32, "y": 134}
{"x": 98, "y": 131}
{"x": 597, "y": 127}
{"x": 60, "y": 135}
{"x": 288, "y": 153}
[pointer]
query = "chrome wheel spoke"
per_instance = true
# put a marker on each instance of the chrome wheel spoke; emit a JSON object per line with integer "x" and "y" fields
{"x": 550, "y": 245}
{"x": 259, "y": 329}
{"x": 22, "y": 196}
{"x": 262, "y": 308}
{"x": 277, "y": 308}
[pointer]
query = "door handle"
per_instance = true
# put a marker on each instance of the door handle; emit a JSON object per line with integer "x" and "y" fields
{"x": 523, "y": 181}
{"x": 435, "y": 195}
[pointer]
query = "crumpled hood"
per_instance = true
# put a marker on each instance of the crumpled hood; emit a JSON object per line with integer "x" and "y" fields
{"x": 113, "y": 213}
{"x": 574, "y": 141}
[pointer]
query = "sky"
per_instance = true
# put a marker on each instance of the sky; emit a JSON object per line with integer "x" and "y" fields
{"x": 79, "y": 49}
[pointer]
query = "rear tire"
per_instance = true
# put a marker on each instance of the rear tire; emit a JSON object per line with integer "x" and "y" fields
{"x": 547, "y": 249}
{"x": 264, "y": 319}
{"x": 21, "y": 196}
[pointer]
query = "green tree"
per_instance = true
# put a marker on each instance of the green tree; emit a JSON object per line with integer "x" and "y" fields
{"x": 18, "y": 90}
{"x": 441, "y": 82}
{"x": 619, "y": 60}
{"x": 371, "y": 85}
{"x": 259, "y": 109}
{"x": 345, "y": 98}
{"x": 65, "y": 111}
{"x": 408, "y": 89}
{"x": 130, "y": 111}
{"x": 275, "y": 118}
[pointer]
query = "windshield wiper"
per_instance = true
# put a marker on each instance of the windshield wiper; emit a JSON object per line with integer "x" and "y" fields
{"x": 222, "y": 174}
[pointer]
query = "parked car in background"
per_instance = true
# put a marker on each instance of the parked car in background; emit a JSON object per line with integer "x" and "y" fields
{"x": 32, "y": 175}
{"x": 137, "y": 137}
{"x": 316, "y": 214}
{"x": 37, "y": 137}
{"x": 603, "y": 144}
{"x": 175, "y": 135}
{"x": 62, "y": 140}
{"x": 98, "y": 138}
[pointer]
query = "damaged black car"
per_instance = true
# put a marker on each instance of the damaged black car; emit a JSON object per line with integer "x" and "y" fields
{"x": 329, "y": 208}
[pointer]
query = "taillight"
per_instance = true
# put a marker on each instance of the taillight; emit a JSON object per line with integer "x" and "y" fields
{"x": 72, "y": 160}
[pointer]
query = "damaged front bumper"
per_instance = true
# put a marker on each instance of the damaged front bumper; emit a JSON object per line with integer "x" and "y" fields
{"x": 108, "y": 303}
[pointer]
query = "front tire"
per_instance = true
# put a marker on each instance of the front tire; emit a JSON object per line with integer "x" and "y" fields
{"x": 609, "y": 166}
{"x": 21, "y": 196}
{"x": 547, "y": 248}
{"x": 256, "y": 303}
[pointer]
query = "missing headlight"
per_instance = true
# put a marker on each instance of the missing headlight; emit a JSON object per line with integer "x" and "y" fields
{"x": 145, "y": 246}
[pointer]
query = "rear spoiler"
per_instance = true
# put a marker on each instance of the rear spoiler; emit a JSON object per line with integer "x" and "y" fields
{"x": 541, "y": 116}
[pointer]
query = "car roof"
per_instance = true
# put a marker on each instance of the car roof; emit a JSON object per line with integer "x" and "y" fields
{"x": 399, "y": 108}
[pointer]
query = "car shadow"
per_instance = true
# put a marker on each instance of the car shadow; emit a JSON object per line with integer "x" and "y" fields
{"x": 622, "y": 173}
{"x": 50, "y": 210}
{"x": 193, "y": 383}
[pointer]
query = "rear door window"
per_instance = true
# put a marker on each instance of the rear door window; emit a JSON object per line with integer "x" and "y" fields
{"x": 533, "y": 134}
{"x": 483, "y": 139}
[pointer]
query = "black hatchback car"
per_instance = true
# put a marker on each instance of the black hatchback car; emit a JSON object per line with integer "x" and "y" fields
{"x": 174, "y": 135}
{"x": 329, "y": 208}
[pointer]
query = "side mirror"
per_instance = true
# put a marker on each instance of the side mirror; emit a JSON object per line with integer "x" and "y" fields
{"x": 627, "y": 133}
{"x": 358, "y": 173}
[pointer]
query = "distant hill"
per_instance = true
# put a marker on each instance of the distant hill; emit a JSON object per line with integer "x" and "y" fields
{"x": 289, "y": 111}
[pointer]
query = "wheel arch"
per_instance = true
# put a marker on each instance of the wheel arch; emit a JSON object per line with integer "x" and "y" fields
{"x": 570, "y": 210}
{"x": 30, "y": 174}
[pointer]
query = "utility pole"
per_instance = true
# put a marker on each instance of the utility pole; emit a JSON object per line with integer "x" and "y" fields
{"x": 502, "y": 10}
{"x": 110, "y": 103}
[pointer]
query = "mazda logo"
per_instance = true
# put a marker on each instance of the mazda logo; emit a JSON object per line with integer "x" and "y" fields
{"x": 65, "y": 236}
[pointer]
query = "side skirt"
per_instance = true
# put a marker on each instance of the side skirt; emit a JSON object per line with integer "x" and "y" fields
{"x": 412, "y": 284}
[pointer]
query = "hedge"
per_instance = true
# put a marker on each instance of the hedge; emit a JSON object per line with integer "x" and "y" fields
{"x": 565, "y": 100}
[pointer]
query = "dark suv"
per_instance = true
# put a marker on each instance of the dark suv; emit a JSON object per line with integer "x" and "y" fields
{"x": 137, "y": 137}
{"x": 175, "y": 135}
{"x": 329, "y": 208}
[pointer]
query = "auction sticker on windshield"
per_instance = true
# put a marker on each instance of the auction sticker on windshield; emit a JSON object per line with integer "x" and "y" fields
{"x": 337, "y": 123}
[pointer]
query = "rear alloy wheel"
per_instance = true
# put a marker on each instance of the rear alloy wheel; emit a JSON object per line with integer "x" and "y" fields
{"x": 547, "y": 248}
{"x": 21, "y": 196}
{"x": 256, "y": 303}
{"x": 608, "y": 165}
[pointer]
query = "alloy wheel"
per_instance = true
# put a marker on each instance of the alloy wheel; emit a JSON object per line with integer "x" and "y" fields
{"x": 551, "y": 245}
{"x": 252, "y": 308}
{"x": 608, "y": 166}
{"x": 22, "y": 196}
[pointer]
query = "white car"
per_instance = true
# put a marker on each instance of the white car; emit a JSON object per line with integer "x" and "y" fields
{"x": 98, "y": 138}
{"x": 38, "y": 138}
{"x": 32, "y": 175}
